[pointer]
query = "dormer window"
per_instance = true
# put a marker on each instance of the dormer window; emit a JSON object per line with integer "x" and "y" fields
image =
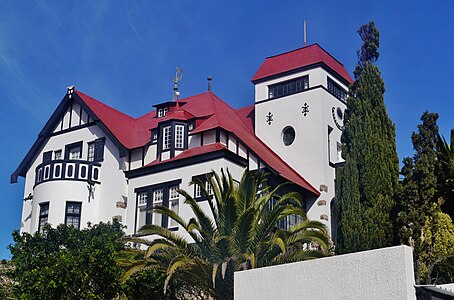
{"x": 179, "y": 136}
{"x": 288, "y": 87}
{"x": 162, "y": 112}
{"x": 166, "y": 132}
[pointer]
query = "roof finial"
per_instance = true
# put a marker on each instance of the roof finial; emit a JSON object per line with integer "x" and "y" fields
{"x": 70, "y": 90}
{"x": 304, "y": 33}
{"x": 176, "y": 79}
{"x": 209, "y": 78}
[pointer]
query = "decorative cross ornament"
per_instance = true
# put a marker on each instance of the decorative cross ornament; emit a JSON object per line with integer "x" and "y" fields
{"x": 305, "y": 108}
{"x": 269, "y": 118}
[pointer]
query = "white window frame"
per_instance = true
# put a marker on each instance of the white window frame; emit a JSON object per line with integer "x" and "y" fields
{"x": 179, "y": 136}
{"x": 142, "y": 199}
{"x": 158, "y": 198}
{"x": 209, "y": 188}
{"x": 174, "y": 205}
{"x": 162, "y": 112}
{"x": 166, "y": 136}
{"x": 58, "y": 154}
{"x": 75, "y": 153}
{"x": 91, "y": 151}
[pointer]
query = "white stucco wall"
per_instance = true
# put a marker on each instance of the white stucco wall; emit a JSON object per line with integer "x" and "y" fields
{"x": 377, "y": 274}
{"x": 102, "y": 207}
{"x": 314, "y": 151}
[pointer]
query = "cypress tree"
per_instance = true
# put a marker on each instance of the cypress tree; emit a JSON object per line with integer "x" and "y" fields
{"x": 367, "y": 181}
{"x": 417, "y": 199}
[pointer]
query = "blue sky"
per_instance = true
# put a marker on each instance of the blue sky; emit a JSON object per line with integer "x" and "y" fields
{"x": 125, "y": 53}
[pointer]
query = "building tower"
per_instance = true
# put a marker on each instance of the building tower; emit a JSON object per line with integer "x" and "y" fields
{"x": 300, "y": 99}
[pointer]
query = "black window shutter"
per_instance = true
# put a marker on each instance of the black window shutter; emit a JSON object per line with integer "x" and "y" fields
{"x": 99, "y": 149}
{"x": 47, "y": 156}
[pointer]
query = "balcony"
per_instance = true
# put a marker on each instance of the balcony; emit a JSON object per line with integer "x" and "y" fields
{"x": 74, "y": 170}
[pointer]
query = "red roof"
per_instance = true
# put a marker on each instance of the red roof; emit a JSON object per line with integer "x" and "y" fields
{"x": 212, "y": 113}
{"x": 300, "y": 58}
{"x": 191, "y": 152}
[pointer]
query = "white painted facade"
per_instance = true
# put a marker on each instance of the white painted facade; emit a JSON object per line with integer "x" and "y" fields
{"x": 316, "y": 149}
{"x": 125, "y": 174}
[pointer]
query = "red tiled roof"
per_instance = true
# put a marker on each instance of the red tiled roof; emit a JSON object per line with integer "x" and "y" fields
{"x": 133, "y": 133}
{"x": 190, "y": 153}
{"x": 300, "y": 58}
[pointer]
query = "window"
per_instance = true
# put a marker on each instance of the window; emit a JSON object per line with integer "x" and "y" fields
{"x": 73, "y": 151}
{"x": 142, "y": 199}
{"x": 288, "y": 135}
{"x": 198, "y": 193}
{"x": 162, "y": 112}
{"x": 99, "y": 149}
{"x": 96, "y": 150}
{"x": 47, "y": 156}
{"x": 72, "y": 217}
{"x": 57, "y": 154}
{"x": 179, "y": 136}
{"x": 162, "y": 194}
{"x": 43, "y": 215}
{"x": 158, "y": 197}
{"x": 209, "y": 188}
{"x": 173, "y": 203}
{"x": 91, "y": 151}
{"x": 166, "y": 138}
{"x": 339, "y": 151}
{"x": 336, "y": 90}
{"x": 288, "y": 87}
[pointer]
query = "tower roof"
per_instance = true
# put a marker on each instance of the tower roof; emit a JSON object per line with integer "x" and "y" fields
{"x": 298, "y": 59}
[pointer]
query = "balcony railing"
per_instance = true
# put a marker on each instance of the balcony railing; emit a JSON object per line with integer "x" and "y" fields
{"x": 75, "y": 170}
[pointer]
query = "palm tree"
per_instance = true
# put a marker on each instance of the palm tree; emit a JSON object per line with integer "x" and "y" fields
{"x": 238, "y": 233}
{"x": 445, "y": 155}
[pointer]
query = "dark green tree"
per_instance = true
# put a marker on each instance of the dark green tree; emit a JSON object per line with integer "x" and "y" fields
{"x": 445, "y": 155}
{"x": 367, "y": 181}
{"x": 67, "y": 263}
{"x": 424, "y": 188}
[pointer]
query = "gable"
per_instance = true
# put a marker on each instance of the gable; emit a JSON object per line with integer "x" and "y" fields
{"x": 71, "y": 114}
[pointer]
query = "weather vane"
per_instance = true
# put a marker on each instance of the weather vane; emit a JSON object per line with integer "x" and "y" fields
{"x": 176, "y": 80}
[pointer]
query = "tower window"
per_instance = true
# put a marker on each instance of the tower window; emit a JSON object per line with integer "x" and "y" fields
{"x": 288, "y": 87}
{"x": 336, "y": 90}
{"x": 166, "y": 138}
{"x": 288, "y": 135}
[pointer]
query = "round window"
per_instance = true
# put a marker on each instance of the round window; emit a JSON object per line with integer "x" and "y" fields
{"x": 340, "y": 114}
{"x": 288, "y": 135}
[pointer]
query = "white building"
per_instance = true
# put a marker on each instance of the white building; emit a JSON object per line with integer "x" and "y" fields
{"x": 92, "y": 163}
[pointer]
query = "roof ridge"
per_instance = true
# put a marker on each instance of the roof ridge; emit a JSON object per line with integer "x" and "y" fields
{"x": 301, "y": 48}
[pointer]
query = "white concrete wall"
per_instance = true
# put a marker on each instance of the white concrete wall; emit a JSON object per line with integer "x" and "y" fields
{"x": 378, "y": 274}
